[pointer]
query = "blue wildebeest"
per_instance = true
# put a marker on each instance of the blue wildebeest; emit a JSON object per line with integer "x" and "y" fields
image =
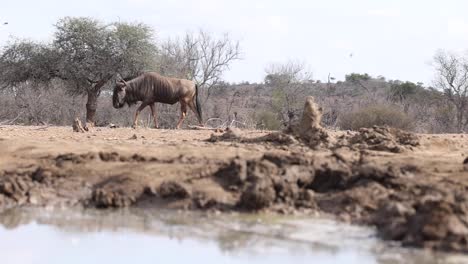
{"x": 150, "y": 88}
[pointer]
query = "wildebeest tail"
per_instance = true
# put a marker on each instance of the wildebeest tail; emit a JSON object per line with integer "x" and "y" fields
{"x": 197, "y": 101}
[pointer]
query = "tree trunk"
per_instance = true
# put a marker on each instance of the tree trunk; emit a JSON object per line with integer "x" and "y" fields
{"x": 91, "y": 106}
{"x": 459, "y": 117}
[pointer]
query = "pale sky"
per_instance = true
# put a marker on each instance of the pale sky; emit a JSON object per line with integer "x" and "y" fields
{"x": 396, "y": 39}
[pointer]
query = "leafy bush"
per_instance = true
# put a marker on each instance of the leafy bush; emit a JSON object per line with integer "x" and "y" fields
{"x": 354, "y": 77}
{"x": 375, "y": 116}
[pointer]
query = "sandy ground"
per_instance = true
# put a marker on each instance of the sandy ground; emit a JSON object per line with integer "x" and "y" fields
{"x": 415, "y": 193}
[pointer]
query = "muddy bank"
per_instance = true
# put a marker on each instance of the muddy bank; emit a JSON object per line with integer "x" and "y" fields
{"x": 413, "y": 188}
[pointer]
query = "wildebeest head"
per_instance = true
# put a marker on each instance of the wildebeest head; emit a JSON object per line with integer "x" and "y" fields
{"x": 118, "y": 98}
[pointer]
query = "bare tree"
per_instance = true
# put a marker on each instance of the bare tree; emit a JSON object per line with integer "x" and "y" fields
{"x": 200, "y": 57}
{"x": 452, "y": 79}
{"x": 290, "y": 82}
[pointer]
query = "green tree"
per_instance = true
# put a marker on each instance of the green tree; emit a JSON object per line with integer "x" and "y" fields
{"x": 359, "y": 79}
{"x": 354, "y": 77}
{"x": 400, "y": 92}
{"x": 85, "y": 54}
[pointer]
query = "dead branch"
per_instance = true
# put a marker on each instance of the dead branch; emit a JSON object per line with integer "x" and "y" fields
{"x": 7, "y": 122}
{"x": 44, "y": 127}
{"x": 205, "y": 128}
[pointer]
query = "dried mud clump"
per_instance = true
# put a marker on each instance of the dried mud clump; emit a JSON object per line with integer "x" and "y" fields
{"x": 274, "y": 179}
{"x": 431, "y": 223}
{"x": 173, "y": 189}
{"x": 115, "y": 192}
{"x": 394, "y": 198}
{"x": 72, "y": 158}
{"x": 309, "y": 129}
{"x": 31, "y": 185}
{"x": 103, "y": 198}
{"x": 233, "y": 175}
{"x": 109, "y": 156}
{"x": 331, "y": 176}
{"x": 231, "y": 134}
{"x": 259, "y": 191}
{"x": 384, "y": 139}
{"x": 16, "y": 187}
{"x": 276, "y": 137}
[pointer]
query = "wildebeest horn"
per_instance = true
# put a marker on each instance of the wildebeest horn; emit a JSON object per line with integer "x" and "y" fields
{"x": 121, "y": 79}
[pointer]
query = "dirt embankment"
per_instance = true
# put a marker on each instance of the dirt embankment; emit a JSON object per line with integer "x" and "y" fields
{"x": 413, "y": 188}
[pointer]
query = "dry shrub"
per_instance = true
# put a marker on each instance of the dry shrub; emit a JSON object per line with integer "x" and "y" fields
{"x": 444, "y": 119}
{"x": 375, "y": 116}
{"x": 268, "y": 120}
{"x": 31, "y": 105}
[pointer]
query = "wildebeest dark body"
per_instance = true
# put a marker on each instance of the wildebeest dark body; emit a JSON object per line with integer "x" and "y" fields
{"x": 150, "y": 88}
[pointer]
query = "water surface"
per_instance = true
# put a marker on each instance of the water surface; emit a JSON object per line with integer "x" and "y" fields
{"x": 162, "y": 236}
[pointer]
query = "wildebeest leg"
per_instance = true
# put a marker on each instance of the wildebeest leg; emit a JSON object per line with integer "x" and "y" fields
{"x": 143, "y": 105}
{"x": 194, "y": 110}
{"x": 183, "y": 113}
{"x": 153, "y": 112}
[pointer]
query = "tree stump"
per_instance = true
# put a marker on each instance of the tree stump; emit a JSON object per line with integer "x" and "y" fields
{"x": 77, "y": 126}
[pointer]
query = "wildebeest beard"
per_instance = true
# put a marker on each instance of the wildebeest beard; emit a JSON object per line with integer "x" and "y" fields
{"x": 116, "y": 102}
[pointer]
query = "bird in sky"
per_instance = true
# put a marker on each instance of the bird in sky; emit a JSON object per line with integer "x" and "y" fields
{"x": 5, "y": 23}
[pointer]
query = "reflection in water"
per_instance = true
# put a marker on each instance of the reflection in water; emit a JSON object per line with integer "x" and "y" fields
{"x": 145, "y": 235}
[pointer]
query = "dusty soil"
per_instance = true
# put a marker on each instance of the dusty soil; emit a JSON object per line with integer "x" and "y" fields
{"x": 413, "y": 188}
